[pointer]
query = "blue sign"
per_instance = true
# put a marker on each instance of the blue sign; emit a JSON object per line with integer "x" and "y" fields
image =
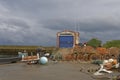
{"x": 66, "y": 41}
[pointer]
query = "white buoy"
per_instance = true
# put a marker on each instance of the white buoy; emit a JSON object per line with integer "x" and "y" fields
{"x": 43, "y": 60}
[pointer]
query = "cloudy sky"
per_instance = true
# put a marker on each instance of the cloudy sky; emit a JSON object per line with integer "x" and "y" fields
{"x": 36, "y": 22}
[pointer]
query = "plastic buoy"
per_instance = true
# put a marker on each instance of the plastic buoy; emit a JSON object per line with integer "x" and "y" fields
{"x": 43, "y": 60}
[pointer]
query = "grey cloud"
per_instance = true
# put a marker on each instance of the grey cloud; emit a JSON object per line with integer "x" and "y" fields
{"x": 36, "y": 22}
{"x": 92, "y": 26}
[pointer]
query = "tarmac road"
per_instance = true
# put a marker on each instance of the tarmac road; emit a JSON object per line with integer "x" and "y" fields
{"x": 50, "y": 71}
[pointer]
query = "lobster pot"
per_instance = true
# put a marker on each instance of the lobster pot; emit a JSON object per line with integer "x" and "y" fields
{"x": 67, "y": 39}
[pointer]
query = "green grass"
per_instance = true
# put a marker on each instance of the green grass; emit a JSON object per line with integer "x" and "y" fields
{"x": 13, "y": 50}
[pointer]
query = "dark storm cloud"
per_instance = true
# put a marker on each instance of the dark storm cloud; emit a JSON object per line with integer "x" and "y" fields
{"x": 93, "y": 26}
{"x": 36, "y": 22}
{"x": 59, "y": 24}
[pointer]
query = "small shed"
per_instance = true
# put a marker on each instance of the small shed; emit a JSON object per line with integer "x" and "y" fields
{"x": 67, "y": 39}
